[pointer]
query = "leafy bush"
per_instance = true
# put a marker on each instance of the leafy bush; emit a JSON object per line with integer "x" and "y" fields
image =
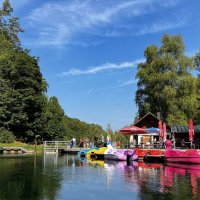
{"x": 6, "y": 136}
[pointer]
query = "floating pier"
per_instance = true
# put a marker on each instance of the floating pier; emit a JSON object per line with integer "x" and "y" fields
{"x": 14, "y": 150}
{"x": 59, "y": 147}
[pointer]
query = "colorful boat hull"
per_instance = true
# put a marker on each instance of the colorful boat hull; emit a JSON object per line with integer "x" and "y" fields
{"x": 190, "y": 156}
{"x": 96, "y": 153}
{"x": 83, "y": 152}
{"x": 144, "y": 154}
{"x": 119, "y": 154}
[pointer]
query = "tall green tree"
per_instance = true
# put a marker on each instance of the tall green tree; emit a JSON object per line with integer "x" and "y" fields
{"x": 22, "y": 97}
{"x": 165, "y": 82}
{"x": 22, "y": 91}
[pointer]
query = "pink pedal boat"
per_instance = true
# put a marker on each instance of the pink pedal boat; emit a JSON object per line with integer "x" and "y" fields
{"x": 190, "y": 156}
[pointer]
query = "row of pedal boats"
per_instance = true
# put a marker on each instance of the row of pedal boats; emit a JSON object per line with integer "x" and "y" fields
{"x": 190, "y": 156}
{"x": 109, "y": 153}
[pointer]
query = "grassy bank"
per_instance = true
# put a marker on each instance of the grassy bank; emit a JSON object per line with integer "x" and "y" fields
{"x": 29, "y": 147}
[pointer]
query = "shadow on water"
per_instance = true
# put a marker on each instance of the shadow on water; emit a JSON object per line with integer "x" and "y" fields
{"x": 24, "y": 177}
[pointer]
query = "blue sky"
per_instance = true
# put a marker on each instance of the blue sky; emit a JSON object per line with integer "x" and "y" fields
{"x": 89, "y": 49}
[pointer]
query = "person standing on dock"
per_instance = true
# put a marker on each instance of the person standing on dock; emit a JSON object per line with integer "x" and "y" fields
{"x": 74, "y": 142}
{"x": 102, "y": 139}
{"x": 131, "y": 141}
{"x": 95, "y": 141}
{"x": 183, "y": 143}
{"x": 71, "y": 143}
{"x": 81, "y": 143}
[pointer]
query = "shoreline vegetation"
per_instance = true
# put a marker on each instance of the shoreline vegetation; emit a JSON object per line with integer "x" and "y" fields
{"x": 29, "y": 147}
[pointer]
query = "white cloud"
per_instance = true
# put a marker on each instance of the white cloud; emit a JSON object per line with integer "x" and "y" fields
{"x": 57, "y": 24}
{"x": 162, "y": 26}
{"x": 129, "y": 82}
{"x": 170, "y": 3}
{"x": 104, "y": 67}
{"x": 126, "y": 83}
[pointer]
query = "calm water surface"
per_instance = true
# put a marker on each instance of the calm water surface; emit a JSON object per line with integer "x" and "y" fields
{"x": 52, "y": 177}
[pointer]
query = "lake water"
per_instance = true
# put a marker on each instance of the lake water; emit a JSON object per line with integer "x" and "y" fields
{"x": 52, "y": 177}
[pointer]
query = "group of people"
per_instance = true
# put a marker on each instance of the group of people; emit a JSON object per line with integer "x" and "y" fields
{"x": 194, "y": 144}
{"x": 83, "y": 142}
{"x": 86, "y": 143}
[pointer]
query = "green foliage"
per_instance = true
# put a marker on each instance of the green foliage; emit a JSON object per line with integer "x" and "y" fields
{"x": 6, "y": 136}
{"x": 54, "y": 120}
{"x": 165, "y": 82}
{"x": 27, "y": 146}
{"x": 22, "y": 86}
{"x": 22, "y": 91}
{"x": 118, "y": 137}
{"x": 78, "y": 129}
{"x": 60, "y": 127}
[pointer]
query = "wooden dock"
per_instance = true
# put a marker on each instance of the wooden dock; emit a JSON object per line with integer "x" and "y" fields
{"x": 60, "y": 147}
{"x": 14, "y": 150}
{"x": 73, "y": 151}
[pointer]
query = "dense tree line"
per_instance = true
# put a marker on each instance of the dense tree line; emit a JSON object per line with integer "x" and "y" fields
{"x": 167, "y": 82}
{"x": 25, "y": 109}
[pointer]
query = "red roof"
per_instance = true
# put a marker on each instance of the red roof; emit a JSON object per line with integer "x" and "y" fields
{"x": 132, "y": 130}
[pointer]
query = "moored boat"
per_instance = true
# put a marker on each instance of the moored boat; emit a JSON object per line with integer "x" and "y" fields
{"x": 83, "y": 152}
{"x": 96, "y": 153}
{"x": 190, "y": 156}
{"x": 119, "y": 154}
{"x": 149, "y": 154}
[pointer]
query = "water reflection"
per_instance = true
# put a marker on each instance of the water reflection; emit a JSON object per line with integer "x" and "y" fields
{"x": 175, "y": 171}
{"x": 123, "y": 169}
{"x": 68, "y": 176}
{"x": 152, "y": 179}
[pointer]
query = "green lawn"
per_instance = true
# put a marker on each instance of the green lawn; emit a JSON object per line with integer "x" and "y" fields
{"x": 24, "y": 145}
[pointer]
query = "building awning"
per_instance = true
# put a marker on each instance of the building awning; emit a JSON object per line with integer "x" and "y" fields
{"x": 184, "y": 129}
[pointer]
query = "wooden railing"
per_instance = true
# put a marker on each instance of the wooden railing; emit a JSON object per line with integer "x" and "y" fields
{"x": 55, "y": 146}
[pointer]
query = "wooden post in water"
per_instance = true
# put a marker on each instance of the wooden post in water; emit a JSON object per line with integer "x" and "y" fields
{"x": 35, "y": 144}
{"x": 44, "y": 146}
{"x": 56, "y": 146}
{"x": 36, "y": 136}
